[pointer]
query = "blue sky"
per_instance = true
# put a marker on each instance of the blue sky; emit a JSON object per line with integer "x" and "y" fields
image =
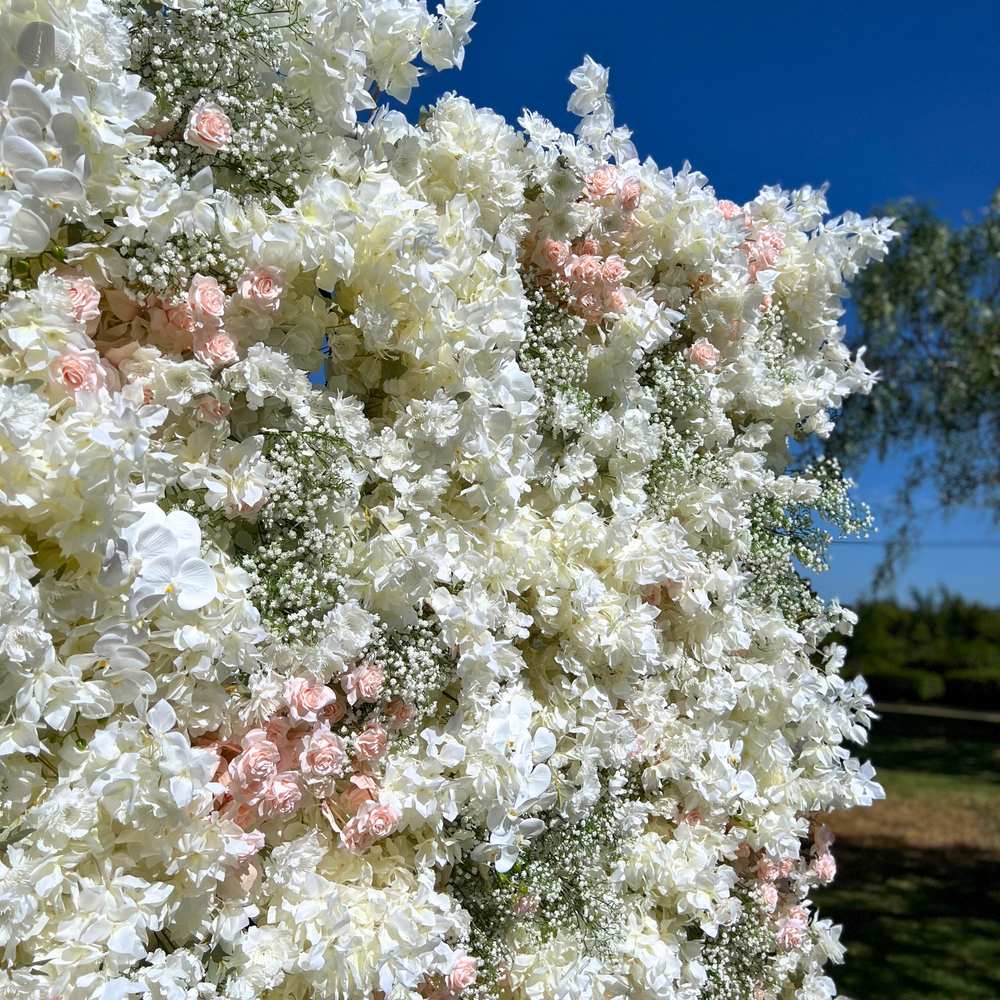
{"x": 883, "y": 99}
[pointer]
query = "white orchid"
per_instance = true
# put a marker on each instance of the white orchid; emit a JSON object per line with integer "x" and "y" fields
{"x": 170, "y": 567}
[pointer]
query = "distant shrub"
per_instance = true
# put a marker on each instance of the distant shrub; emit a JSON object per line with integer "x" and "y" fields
{"x": 941, "y": 648}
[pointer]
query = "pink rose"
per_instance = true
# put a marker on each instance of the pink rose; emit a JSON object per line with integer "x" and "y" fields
{"x": 585, "y": 269}
{"x": 824, "y": 839}
{"x": 173, "y": 325}
{"x": 306, "y": 696}
{"x": 799, "y": 913}
{"x": 616, "y": 301}
{"x": 791, "y": 933}
{"x": 324, "y": 755}
{"x": 614, "y": 271}
{"x": 825, "y": 868}
{"x": 550, "y": 255}
{"x": 282, "y": 795}
{"x": 371, "y": 743}
{"x": 787, "y": 866}
{"x": 364, "y": 788}
{"x": 212, "y": 410}
{"x": 628, "y": 196}
{"x": 762, "y": 252}
{"x": 769, "y": 894}
{"x": 602, "y": 181}
{"x": 258, "y": 761}
{"x": 207, "y": 300}
{"x": 767, "y": 870}
{"x": 214, "y": 348}
{"x": 85, "y": 300}
{"x": 364, "y": 682}
{"x": 705, "y": 354}
{"x": 462, "y": 976}
{"x": 400, "y": 714}
{"x": 208, "y": 127}
{"x": 727, "y": 209}
{"x": 335, "y": 711}
{"x": 76, "y": 370}
{"x": 590, "y": 305}
{"x": 588, "y": 245}
{"x": 262, "y": 288}
{"x": 372, "y": 822}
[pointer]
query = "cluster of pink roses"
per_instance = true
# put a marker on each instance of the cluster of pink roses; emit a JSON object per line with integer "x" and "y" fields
{"x": 594, "y": 280}
{"x": 297, "y": 759}
{"x": 608, "y": 182}
{"x": 791, "y": 919}
{"x": 194, "y": 322}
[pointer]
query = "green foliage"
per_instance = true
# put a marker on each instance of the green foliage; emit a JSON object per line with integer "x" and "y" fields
{"x": 942, "y": 649}
{"x": 929, "y": 315}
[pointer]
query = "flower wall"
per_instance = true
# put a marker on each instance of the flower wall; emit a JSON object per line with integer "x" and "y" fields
{"x": 481, "y": 669}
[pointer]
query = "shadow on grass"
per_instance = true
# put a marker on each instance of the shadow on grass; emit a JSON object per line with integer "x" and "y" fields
{"x": 918, "y": 925}
{"x": 941, "y": 746}
{"x": 922, "y": 923}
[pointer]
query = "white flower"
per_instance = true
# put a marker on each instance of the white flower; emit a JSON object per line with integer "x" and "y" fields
{"x": 170, "y": 563}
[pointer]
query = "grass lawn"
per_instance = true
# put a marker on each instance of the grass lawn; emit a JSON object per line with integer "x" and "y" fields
{"x": 918, "y": 882}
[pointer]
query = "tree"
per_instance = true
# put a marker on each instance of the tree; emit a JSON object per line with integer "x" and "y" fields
{"x": 929, "y": 315}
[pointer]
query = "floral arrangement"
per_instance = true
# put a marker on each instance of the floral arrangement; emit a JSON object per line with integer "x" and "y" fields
{"x": 399, "y": 528}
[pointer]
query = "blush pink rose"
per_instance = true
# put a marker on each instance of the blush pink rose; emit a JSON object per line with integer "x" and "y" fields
{"x": 551, "y": 255}
{"x": 588, "y": 245}
{"x": 727, "y": 209}
{"x": 208, "y": 127}
{"x": 306, "y": 696}
{"x": 258, "y": 761}
{"x": 85, "y": 300}
{"x": 173, "y": 325}
{"x": 76, "y": 370}
{"x": 335, "y": 711}
{"x": 585, "y": 270}
{"x": 364, "y": 788}
{"x": 629, "y": 194}
{"x": 590, "y": 305}
{"x": 282, "y": 795}
{"x": 705, "y": 354}
{"x": 769, "y": 894}
{"x": 462, "y": 976}
{"x": 791, "y": 933}
{"x": 602, "y": 181}
{"x": 325, "y": 754}
{"x": 214, "y": 348}
{"x": 615, "y": 301}
{"x": 400, "y": 714}
{"x": 799, "y": 913}
{"x": 825, "y": 868}
{"x": 364, "y": 682}
{"x": 767, "y": 870}
{"x": 787, "y": 866}
{"x": 824, "y": 839}
{"x": 372, "y": 822}
{"x": 212, "y": 410}
{"x": 371, "y": 743}
{"x": 263, "y": 288}
{"x": 206, "y": 299}
{"x": 614, "y": 270}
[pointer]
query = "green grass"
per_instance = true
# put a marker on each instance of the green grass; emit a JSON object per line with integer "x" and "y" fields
{"x": 924, "y": 924}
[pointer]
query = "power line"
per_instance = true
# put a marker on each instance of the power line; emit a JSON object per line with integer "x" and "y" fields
{"x": 931, "y": 543}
